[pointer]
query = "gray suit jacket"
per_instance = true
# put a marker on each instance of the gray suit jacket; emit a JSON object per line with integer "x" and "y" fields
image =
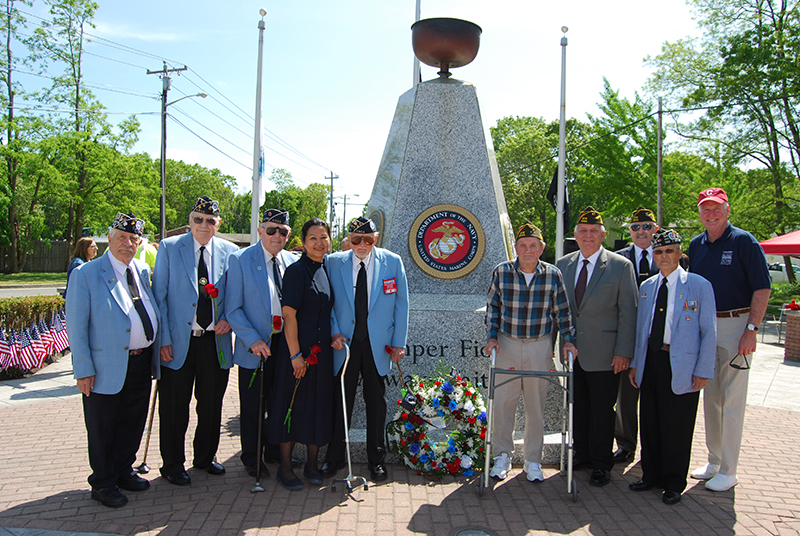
{"x": 605, "y": 323}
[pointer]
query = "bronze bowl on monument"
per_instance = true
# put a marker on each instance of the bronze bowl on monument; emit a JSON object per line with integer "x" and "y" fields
{"x": 445, "y": 43}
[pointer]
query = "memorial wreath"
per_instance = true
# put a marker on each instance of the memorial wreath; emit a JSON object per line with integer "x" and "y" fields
{"x": 440, "y": 425}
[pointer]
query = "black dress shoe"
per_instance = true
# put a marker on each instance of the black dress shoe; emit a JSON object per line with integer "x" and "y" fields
{"x": 292, "y": 484}
{"x": 671, "y": 497}
{"x": 600, "y": 477}
{"x": 251, "y": 470}
{"x": 378, "y": 473}
{"x": 214, "y": 468}
{"x": 622, "y": 456}
{"x": 110, "y": 496}
{"x": 577, "y": 463}
{"x": 312, "y": 476}
{"x": 329, "y": 469}
{"x": 132, "y": 482}
{"x": 180, "y": 478}
{"x": 641, "y": 485}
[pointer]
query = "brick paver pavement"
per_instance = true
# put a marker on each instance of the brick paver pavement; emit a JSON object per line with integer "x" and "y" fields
{"x": 44, "y": 469}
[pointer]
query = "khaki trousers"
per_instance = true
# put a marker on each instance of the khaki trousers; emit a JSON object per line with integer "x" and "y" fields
{"x": 530, "y": 355}
{"x": 725, "y": 398}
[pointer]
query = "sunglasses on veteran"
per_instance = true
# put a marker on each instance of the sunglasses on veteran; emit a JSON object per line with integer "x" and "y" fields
{"x": 646, "y": 226}
{"x": 199, "y": 220}
{"x": 667, "y": 251}
{"x": 356, "y": 240}
{"x": 272, "y": 230}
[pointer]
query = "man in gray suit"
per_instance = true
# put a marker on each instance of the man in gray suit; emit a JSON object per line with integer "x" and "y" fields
{"x": 626, "y": 431}
{"x": 602, "y": 297}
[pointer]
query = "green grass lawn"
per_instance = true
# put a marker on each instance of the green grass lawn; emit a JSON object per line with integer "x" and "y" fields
{"x": 34, "y": 278}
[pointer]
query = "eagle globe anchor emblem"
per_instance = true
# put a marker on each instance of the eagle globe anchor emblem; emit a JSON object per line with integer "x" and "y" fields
{"x": 452, "y": 238}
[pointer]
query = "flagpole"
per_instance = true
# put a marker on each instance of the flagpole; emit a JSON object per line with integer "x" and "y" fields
{"x": 417, "y": 15}
{"x": 562, "y": 135}
{"x": 258, "y": 186}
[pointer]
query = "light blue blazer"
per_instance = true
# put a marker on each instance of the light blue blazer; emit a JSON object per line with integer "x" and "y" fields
{"x": 175, "y": 289}
{"x": 388, "y": 311}
{"x": 98, "y": 326}
{"x": 247, "y": 300}
{"x": 693, "y": 343}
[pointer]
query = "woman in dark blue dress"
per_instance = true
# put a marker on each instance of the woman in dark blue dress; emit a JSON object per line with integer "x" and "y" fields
{"x": 304, "y": 379}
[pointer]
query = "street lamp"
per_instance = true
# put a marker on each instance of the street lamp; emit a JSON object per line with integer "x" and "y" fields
{"x": 166, "y": 82}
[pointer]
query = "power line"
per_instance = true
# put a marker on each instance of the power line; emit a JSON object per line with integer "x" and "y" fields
{"x": 209, "y": 143}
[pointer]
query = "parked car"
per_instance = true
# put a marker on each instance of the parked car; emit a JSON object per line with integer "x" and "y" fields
{"x": 777, "y": 272}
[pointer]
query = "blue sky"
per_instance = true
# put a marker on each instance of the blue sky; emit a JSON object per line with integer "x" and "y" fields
{"x": 333, "y": 71}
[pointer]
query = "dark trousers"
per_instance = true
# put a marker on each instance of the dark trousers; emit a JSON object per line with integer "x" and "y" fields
{"x": 374, "y": 388}
{"x": 593, "y": 417}
{"x": 626, "y": 426}
{"x": 249, "y": 397}
{"x": 667, "y": 425}
{"x": 200, "y": 372}
{"x": 114, "y": 423}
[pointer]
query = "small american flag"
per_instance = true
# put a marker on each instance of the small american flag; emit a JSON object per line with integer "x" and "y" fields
{"x": 27, "y": 354}
{"x": 38, "y": 348}
{"x": 60, "y": 339}
{"x": 46, "y": 336}
{"x": 5, "y": 351}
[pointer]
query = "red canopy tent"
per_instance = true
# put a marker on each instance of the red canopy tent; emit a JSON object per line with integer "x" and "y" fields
{"x": 788, "y": 244}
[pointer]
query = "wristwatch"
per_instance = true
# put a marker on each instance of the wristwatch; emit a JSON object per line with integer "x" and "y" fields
{"x": 752, "y": 327}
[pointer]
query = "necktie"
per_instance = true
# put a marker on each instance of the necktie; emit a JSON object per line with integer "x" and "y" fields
{"x": 580, "y": 287}
{"x": 276, "y": 276}
{"x": 659, "y": 318}
{"x": 139, "y": 305}
{"x": 203, "y": 299}
{"x": 361, "y": 332}
{"x": 644, "y": 266}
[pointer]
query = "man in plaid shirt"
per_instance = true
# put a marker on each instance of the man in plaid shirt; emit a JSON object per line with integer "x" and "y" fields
{"x": 526, "y": 297}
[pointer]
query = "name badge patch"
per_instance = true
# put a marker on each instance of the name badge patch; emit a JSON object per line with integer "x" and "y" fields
{"x": 727, "y": 258}
{"x": 390, "y": 286}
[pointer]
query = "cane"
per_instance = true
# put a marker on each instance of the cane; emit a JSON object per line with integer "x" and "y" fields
{"x": 143, "y": 469}
{"x": 258, "y": 487}
{"x": 349, "y": 478}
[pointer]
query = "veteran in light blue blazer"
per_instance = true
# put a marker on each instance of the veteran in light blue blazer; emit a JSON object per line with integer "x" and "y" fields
{"x": 253, "y": 299}
{"x": 113, "y": 328}
{"x": 196, "y": 343}
{"x": 370, "y": 314}
{"x": 674, "y": 356}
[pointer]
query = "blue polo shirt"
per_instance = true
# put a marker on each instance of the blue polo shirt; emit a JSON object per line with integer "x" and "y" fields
{"x": 734, "y": 264}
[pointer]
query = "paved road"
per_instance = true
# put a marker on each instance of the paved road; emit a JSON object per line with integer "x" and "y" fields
{"x": 29, "y": 290}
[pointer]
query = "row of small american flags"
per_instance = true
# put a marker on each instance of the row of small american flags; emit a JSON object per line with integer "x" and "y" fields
{"x": 27, "y": 348}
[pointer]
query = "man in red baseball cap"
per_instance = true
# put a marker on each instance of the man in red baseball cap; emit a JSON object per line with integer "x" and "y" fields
{"x": 733, "y": 261}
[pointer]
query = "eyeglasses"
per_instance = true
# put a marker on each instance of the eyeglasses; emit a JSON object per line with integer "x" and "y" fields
{"x": 668, "y": 251}
{"x": 737, "y": 366}
{"x": 199, "y": 221}
{"x": 646, "y": 226}
{"x": 272, "y": 230}
{"x": 356, "y": 240}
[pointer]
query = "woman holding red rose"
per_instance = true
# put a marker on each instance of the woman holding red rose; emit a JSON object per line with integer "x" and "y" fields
{"x": 304, "y": 379}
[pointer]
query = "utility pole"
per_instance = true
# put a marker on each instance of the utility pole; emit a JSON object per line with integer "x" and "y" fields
{"x": 166, "y": 82}
{"x": 332, "y": 177}
{"x": 660, "y": 171}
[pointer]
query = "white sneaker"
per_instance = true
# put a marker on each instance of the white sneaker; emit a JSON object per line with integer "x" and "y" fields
{"x": 534, "y": 471}
{"x": 722, "y": 482}
{"x": 705, "y": 472}
{"x": 501, "y": 466}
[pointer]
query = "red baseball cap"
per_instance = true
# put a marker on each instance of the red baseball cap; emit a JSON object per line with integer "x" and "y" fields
{"x": 716, "y": 195}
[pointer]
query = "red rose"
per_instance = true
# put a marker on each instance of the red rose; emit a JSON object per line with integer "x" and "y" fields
{"x": 211, "y": 290}
{"x": 419, "y": 472}
{"x": 480, "y": 449}
{"x": 422, "y": 436}
{"x": 404, "y": 416}
{"x": 426, "y": 446}
{"x": 468, "y": 393}
{"x": 483, "y": 436}
{"x": 437, "y": 384}
{"x": 316, "y": 349}
{"x": 453, "y": 468}
{"x": 457, "y": 414}
{"x": 277, "y": 322}
{"x": 403, "y": 442}
{"x": 312, "y": 359}
{"x": 433, "y": 464}
{"x": 388, "y": 349}
{"x": 471, "y": 420}
{"x": 399, "y": 401}
{"x": 458, "y": 378}
{"x": 457, "y": 461}
{"x": 413, "y": 460}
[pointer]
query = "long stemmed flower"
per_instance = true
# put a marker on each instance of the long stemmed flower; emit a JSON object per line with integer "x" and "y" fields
{"x": 277, "y": 322}
{"x": 213, "y": 292}
{"x": 310, "y": 360}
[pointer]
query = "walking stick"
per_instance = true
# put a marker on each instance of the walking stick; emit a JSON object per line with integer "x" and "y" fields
{"x": 349, "y": 478}
{"x": 143, "y": 469}
{"x": 258, "y": 487}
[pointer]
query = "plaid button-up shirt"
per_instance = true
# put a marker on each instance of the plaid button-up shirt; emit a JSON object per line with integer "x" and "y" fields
{"x": 523, "y": 311}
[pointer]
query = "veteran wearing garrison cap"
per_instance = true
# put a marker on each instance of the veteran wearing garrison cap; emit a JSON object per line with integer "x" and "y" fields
{"x": 370, "y": 314}
{"x": 602, "y": 297}
{"x": 253, "y": 299}
{"x": 113, "y": 328}
{"x": 676, "y": 346}
{"x": 527, "y": 302}
{"x": 642, "y": 228}
{"x": 196, "y": 342}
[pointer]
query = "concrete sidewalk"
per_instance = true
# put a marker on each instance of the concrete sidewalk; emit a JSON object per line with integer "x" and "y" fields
{"x": 43, "y": 484}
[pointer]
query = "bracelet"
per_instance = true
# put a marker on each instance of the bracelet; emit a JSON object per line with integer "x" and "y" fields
{"x": 295, "y": 356}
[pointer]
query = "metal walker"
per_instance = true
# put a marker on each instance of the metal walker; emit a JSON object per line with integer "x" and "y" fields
{"x": 564, "y": 380}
